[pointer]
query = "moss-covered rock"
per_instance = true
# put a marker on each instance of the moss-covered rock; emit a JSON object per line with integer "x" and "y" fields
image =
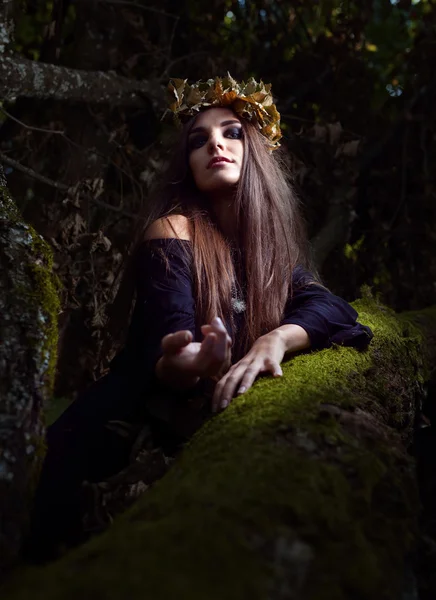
{"x": 29, "y": 307}
{"x": 301, "y": 489}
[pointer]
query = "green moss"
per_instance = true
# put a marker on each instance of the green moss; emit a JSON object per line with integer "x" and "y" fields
{"x": 33, "y": 305}
{"x": 46, "y": 295}
{"x": 278, "y": 496}
{"x": 8, "y": 208}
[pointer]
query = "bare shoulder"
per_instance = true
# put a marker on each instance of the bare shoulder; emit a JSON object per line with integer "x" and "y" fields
{"x": 173, "y": 226}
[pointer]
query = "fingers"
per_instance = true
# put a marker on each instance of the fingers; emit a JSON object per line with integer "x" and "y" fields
{"x": 217, "y": 326}
{"x": 226, "y": 387}
{"x": 216, "y": 344}
{"x": 223, "y": 339}
{"x": 173, "y": 342}
{"x": 239, "y": 379}
{"x": 251, "y": 374}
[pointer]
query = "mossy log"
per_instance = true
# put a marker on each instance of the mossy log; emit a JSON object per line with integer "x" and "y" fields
{"x": 301, "y": 489}
{"x": 29, "y": 309}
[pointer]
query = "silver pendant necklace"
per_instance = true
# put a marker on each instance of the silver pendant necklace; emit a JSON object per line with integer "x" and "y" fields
{"x": 238, "y": 304}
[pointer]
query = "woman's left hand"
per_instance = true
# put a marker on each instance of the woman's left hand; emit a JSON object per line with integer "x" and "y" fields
{"x": 265, "y": 356}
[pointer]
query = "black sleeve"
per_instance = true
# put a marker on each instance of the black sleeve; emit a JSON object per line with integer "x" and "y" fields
{"x": 326, "y": 318}
{"x": 164, "y": 301}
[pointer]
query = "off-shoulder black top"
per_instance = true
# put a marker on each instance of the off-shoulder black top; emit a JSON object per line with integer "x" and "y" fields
{"x": 165, "y": 304}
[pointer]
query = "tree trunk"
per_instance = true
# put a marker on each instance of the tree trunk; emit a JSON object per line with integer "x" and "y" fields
{"x": 301, "y": 489}
{"x": 29, "y": 309}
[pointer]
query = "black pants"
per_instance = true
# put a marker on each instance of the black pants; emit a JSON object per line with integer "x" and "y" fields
{"x": 81, "y": 446}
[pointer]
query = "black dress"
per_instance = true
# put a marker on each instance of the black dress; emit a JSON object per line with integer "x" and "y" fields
{"x": 80, "y": 444}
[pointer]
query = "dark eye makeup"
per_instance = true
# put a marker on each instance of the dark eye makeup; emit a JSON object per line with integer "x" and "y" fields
{"x": 199, "y": 139}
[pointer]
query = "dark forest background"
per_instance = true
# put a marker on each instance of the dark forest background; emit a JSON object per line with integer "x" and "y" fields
{"x": 81, "y": 137}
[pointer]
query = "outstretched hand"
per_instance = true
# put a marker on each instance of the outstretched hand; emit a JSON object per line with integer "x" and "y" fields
{"x": 184, "y": 360}
{"x": 265, "y": 355}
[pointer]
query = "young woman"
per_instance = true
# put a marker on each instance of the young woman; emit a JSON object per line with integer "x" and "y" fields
{"x": 223, "y": 294}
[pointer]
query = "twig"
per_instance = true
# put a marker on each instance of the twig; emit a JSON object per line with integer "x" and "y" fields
{"x": 31, "y": 127}
{"x": 163, "y": 76}
{"x": 61, "y": 187}
{"x": 31, "y": 173}
{"x": 69, "y": 140}
{"x": 173, "y": 32}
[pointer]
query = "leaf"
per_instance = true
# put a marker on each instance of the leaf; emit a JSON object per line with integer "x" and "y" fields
{"x": 194, "y": 96}
{"x": 252, "y": 100}
{"x": 73, "y": 225}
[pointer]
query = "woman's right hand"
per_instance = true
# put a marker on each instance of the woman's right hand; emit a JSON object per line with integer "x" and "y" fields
{"x": 184, "y": 361}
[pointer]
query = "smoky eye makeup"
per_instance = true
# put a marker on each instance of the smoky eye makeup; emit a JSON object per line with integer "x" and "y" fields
{"x": 196, "y": 140}
{"x": 235, "y": 132}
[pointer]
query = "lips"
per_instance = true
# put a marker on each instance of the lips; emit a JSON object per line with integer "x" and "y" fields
{"x": 216, "y": 160}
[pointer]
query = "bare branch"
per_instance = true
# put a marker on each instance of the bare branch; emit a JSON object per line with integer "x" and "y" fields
{"x": 22, "y": 77}
{"x": 61, "y": 187}
{"x": 30, "y": 127}
{"x": 75, "y": 144}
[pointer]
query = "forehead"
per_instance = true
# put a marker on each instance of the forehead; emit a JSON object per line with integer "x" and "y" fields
{"x": 214, "y": 116}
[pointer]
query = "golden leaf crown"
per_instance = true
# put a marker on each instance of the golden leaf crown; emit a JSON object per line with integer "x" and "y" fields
{"x": 251, "y": 100}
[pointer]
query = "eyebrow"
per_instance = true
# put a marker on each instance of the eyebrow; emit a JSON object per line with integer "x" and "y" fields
{"x": 223, "y": 124}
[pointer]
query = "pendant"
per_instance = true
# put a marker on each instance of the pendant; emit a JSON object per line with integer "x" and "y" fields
{"x": 238, "y": 305}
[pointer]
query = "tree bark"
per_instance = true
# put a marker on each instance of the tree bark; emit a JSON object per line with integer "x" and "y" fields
{"x": 21, "y": 77}
{"x": 302, "y": 489}
{"x": 28, "y": 340}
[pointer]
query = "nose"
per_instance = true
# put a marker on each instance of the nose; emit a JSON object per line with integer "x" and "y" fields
{"x": 215, "y": 141}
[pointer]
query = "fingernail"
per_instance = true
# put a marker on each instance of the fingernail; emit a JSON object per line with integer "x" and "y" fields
{"x": 217, "y": 321}
{"x": 242, "y": 389}
{"x": 225, "y": 404}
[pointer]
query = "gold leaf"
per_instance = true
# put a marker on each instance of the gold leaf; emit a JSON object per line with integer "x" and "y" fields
{"x": 194, "y": 96}
{"x": 251, "y": 100}
{"x": 228, "y": 98}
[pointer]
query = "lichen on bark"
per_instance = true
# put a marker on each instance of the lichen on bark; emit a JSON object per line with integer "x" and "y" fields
{"x": 301, "y": 489}
{"x": 29, "y": 305}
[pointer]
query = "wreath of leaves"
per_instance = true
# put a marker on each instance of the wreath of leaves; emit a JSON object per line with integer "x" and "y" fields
{"x": 250, "y": 100}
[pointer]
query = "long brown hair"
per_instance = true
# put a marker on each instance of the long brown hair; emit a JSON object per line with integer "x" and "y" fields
{"x": 271, "y": 236}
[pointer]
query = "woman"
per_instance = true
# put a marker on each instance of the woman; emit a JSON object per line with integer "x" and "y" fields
{"x": 223, "y": 295}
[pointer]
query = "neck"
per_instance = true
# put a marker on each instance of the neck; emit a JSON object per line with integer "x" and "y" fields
{"x": 223, "y": 208}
